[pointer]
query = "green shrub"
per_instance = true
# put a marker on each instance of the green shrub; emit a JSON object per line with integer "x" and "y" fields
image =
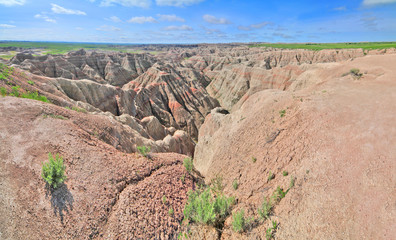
{"x": 3, "y": 91}
{"x": 239, "y": 221}
{"x": 15, "y": 91}
{"x": 265, "y": 210}
{"x": 34, "y": 96}
{"x": 254, "y": 159}
{"x": 206, "y": 208}
{"x": 171, "y": 212}
{"x": 143, "y": 150}
{"x": 270, "y": 176}
{"x": 164, "y": 199}
{"x": 53, "y": 171}
{"x": 278, "y": 194}
{"x": 282, "y": 113}
{"x": 235, "y": 184}
{"x": 285, "y": 173}
{"x": 30, "y": 82}
{"x": 77, "y": 109}
{"x": 356, "y": 73}
{"x": 188, "y": 164}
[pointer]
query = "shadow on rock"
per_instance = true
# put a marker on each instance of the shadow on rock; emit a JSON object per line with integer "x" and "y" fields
{"x": 61, "y": 200}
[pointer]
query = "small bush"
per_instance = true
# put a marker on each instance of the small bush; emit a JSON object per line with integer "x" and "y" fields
{"x": 254, "y": 159}
{"x": 265, "y": 210}
{"x": 282, "y": 113}
{"x": 235, "y": 184}
{"x": 278, "y": 194}
{"x": 182, "y": 178}
{"x": 285, "y": 173}
{"x": 34, "y": 96}
{"x": 15, "y": 91}
{"x": 188, "y": 164}
{"x": 207, "y": 208}
{"x": 77, "y": 109}
{"x": 270, "y": 176}
{"x": 239, "y": 221}
{"x": 30, "y": 82}
{"x": 3, "y": 91}
{"x": 164, "y": 199}
{"x": 143, "y": 150}
{"x": 356, "y": 73}
{"x": 171, "y": 212}
{"x": 53, "y": 171}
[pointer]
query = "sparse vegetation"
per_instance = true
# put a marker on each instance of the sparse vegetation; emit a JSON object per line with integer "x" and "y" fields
{"x": 254, "y": 159}
{"x": 53, "y": 171}
{"x": 77, "y": 109}
{"x": 292, "y": 179}
{"x": 188, "y": 164}
{"x": 30, "y": 82}
{"x": 235, "y": 184}
{"x": 282, "y": 113}
{"x": 54, "y": 116}
{"x": 239, "y": 221}
{"x": 206, "y": 206}
{"x": 34, "y": 96}
{"x": 5, "y": 72}
{"x": 265, "y": 210}
{"x": 270, "y": 176}
{"x": 164, "y": 199}
{"x": 171, "y": 212}
{"x": 271, "y": 231}
{"x": 278, "y": 194}
{"x": 182, "y": 178}
{"x": 144, "y": 151}
{"x": 356, "y": 73}
{"x": 3, "y": 91}
{"x": 285, "y": 173}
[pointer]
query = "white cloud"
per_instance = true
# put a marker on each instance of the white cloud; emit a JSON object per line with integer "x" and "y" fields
{"x": 114, "y": 19}
{"x": 214, "y": 20}
{"x": 177, "y": 3}
{"x": 79, "y": 28}
{"x": 254, "y": 26}
{"x": 61, "y": 10}
{"x": 170, "y": 18}
{"x": 46, "y": 18}
{"x": 6, "y": 26}
{"x": 107, "y": 28}
{"x": 178, "y": 28}
{"x": 142, "y": 20}
{"x": 9, "y": 3}
{"x": 127, "y": 3}
{"x": 370, "y": 3}
{"x": 342, "y": 8}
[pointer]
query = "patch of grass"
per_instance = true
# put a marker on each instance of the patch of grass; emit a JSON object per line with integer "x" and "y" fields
{"x": 15, "y": 91}
{"x": 321, "y": 46}
{"x": 271, "y": 231}
{"x": 55, "y": 116}
{"x": 144, "y": 151}
{"x": 164, "y": 199}
{"x": 30, "y": 82}
{"x": 34, "y": 96}
{"x": 77, "y": 109}
{"x": 282, "y": 113}
{"x": 235, "y": 184}
{"x": 3, "y": 91}
{"x": 265, "y": 210}
{"x": 205, "y": 206}
{"x": 239, "y": 221}
{"x": 188, "y": 164}
{"x": 182, "y": 178}
{"x": 278, "y": 195}
{"x": 270, "y": 176}
{"x": 171, "y": 212}
{"x": 285, "y": 173}
{"x": 292, "y": 180}
{"x": 356, "y": 73}
{"x": 254, "y": 159}
{"x": 53, "y": 171}
{"x": 5, "y": 72}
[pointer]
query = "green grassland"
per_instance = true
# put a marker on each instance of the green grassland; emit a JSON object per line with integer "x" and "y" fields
{"x": 321, "y": 46}
{"x": 62, "y": 48}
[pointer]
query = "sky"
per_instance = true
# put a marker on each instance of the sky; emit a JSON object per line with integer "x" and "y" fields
{"x": 198, "y": 21}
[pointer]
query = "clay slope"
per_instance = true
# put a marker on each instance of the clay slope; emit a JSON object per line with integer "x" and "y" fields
{"x": 331, "y": 131}
{"x": 108, "y": 194}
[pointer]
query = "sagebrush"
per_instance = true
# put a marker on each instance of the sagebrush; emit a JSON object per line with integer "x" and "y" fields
{"x": 53, "y": 171}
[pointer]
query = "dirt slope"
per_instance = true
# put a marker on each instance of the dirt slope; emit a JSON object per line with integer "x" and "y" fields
{"x": 103, "y": 183}
{"x": 336, "y": 137}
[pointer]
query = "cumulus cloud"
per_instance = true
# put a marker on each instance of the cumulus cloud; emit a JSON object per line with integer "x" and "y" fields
{"x": 177, "y": 3}
{"x": 127, "y": 3}
{"x": 142, "y": 20}
{"x": 46, "y": 18}
{"x": 170, "y": 18}
{"x": 254, "y": 26}
{"x": 9, "y": 3}
{"x": 61, "y": 10}
{"x": 107, "y": 28}
{"x": 178, "y": 28}
{"x": 214, "y": 20}
{"x": 6, "y": 26}
{"x": 114, "y": 19}
{"x": 370, "y": 3}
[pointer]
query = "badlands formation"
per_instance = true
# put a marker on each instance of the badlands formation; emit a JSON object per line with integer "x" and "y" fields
{"x": 242, "y": 113}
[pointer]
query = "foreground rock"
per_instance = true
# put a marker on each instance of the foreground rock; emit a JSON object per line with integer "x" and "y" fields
{"x": 108, "y": 194}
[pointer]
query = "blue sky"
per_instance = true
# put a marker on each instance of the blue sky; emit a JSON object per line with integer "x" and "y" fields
{"x": 198, "y": 21}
